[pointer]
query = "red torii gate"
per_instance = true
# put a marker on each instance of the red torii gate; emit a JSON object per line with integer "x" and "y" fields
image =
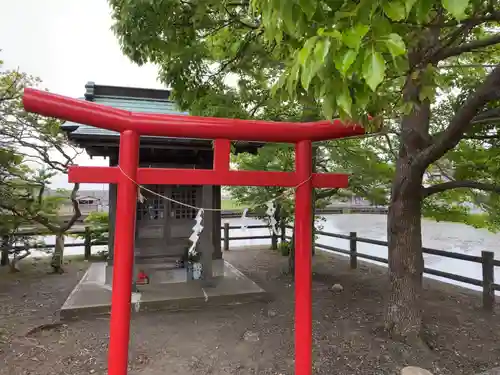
{"x": 131, "y": 125}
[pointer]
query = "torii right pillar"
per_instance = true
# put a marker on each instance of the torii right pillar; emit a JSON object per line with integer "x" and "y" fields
{"x": 303, "y": 261}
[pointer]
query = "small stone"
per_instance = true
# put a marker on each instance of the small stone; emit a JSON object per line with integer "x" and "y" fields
{"x": 251, "y": 336}
{"x": 411, "y": 370}
{"x": 272, "y": 313}
{"x": 92, "y": 371}
{"x": 337, "y": 288}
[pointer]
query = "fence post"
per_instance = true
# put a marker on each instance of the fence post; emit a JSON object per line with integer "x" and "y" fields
{"x": 87, "y": 243}
{"x": 283, "y": 230}
{"x": 353, "y": 249}
{"x": 488, "y": 280}
{"x": 226, "y": 236}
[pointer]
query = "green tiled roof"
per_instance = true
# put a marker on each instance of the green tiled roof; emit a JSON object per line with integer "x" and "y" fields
{"x": 127, "y": 103}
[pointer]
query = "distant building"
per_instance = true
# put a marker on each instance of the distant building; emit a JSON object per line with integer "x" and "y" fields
{"x": 88, "y": 200}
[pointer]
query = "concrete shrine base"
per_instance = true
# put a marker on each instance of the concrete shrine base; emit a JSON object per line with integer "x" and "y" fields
{"x": 92, "y": 295}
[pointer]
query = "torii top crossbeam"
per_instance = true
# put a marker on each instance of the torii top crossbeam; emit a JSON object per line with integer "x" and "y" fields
{"x": 132, "y": 125}
{"x": 179, "y": 126}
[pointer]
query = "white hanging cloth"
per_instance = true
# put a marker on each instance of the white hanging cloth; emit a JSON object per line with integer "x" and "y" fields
{"x": 271, "y": 211}
{"x": 197, "y": 229}
{"x": 244, "y": 220}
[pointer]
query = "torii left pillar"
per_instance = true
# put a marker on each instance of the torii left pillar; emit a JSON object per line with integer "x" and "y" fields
{"x": 124, "y": 253}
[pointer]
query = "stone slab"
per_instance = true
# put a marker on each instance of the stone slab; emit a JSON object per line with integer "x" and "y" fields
{"x": 92, "y": 295}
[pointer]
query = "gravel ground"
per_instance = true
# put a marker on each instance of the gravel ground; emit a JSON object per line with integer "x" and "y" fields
{"x": 249, "y": 339}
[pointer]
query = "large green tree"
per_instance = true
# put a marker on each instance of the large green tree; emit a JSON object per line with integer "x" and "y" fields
{"x": 33, "y": 150}
{"x": 425, "y": 69}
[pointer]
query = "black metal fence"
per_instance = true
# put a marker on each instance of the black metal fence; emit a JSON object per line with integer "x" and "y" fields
{"x": 487, "y": 261}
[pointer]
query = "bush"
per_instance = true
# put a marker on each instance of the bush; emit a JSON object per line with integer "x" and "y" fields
{"x": 98, "y": 223}
{"x": 285, "y": 248}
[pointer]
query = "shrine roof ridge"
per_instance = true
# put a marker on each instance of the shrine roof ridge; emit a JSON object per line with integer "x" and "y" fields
{"x": 181, "y": 126}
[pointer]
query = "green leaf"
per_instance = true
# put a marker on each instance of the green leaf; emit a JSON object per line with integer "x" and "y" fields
{"x": 279, "y": 85}
{"x": 427, "y": 92}
{"x": 423, "y": 10}
{"x": 305, "y": 52}
{"x": 287, "y": 15}
{"x": 344, "y": 100}
{"x": 328, "y": 107}
{"x": 373, "y": 69}
{"x": 308, "y": 7}
{"x": 313, "y": 65}
{"x": 308, "y": 73}
{"x": 361, "y": 97}
{"x": 409, "y": 5}
{"x": 321, "y": 50}
{"x": 353, "y": 37}
{"x": 457, "y": 8}
{"x": 343, "y": 61}
{"x": 395, "y": 10}
{"x": 292, "y": 80}
{"x": 400, "y": 63}
{"x": 395, "y": 44}
{"x": 332, "y": 33}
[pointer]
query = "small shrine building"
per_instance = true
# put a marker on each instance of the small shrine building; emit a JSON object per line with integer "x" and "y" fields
{"x": 163, "y": 227}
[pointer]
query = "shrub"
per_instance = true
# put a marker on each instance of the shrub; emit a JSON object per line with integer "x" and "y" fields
{"x": 285, "y": 248}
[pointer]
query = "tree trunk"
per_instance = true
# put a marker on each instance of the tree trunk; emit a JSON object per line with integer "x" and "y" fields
{"x": 403, "y": 317}
{"x": 5, "y": 251}
{"x": 57, "y": 257}
{"x": 13, "y": 265}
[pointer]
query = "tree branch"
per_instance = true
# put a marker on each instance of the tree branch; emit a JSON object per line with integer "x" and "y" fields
{"x": 28, "y": 216}
{"x": 467, "y": 47}
{"x": 460, "y": 123}
{"x": 439, "y": 188}
{"x": 76, "y": 209}
{"x": 487, "y": 116}
{"x": 326, "y": 193}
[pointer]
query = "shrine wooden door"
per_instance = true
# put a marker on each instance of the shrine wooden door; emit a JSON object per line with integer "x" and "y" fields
{"x": 180, "y": 219}
{"x": 151, "y": 225}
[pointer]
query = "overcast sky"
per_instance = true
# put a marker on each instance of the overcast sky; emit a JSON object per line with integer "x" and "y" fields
{"x": 67, "y": 43}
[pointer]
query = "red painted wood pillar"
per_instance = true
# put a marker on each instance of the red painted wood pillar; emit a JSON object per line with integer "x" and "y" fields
{"x": 303, "y": 261}
{"x": 123, "y": 255}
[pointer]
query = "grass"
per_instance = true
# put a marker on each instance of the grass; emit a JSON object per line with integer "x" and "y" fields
{"x": 229, "y": 204}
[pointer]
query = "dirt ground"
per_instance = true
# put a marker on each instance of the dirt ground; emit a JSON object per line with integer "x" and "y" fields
{"x": 247, "y": 339}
